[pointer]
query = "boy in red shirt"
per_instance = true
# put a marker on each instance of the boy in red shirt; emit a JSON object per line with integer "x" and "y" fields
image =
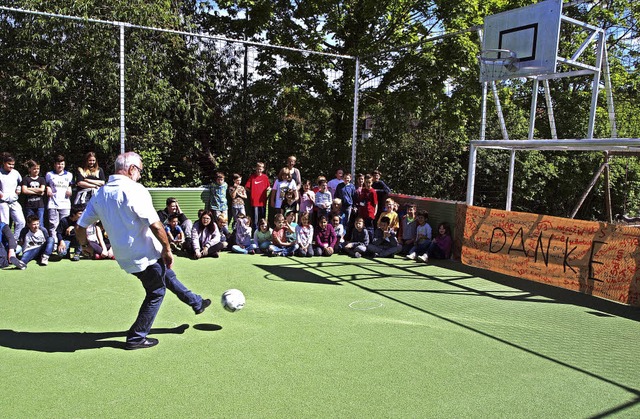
{"x": 257, "y": 186}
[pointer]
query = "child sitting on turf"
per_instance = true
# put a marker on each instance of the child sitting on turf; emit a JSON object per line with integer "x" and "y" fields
{"x": 423, "y": 236}
{"x": 389, "y": 211}
{"x": 304, "y": 236}
{"x": 339, "y": 229}
{"x": 357, "y": 245}
{"x": 384, "y": 243}
{"x": 280, "y": 244}
{"x": 95, "y": 237}
{"x": 244, "y": 242}
{"x": 174, "y": 232}
{"x": 35, "y": 242}
{"x": 289, "y": 221}
{"x": 262, "y": 236}
{"x": 440, "y": 247}
{"x": 326, "y": 238}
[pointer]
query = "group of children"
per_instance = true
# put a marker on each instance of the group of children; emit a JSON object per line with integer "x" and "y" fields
{"x": 335, "y": 216}
{"x": 47, "y": 204}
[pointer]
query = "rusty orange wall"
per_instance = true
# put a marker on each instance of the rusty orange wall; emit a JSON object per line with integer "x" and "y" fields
{"x": 591, "y": 257}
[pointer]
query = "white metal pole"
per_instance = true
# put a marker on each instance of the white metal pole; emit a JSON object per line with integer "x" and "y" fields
{"x": 471, "y": 177}
{"x": 122, "y": 125}
{"x": 512, "y": 165}
{"x": 595, "y": 86}
{"x": 534, "y": 107}
{"x": 609, "y": 93}
{"x": 483, "y": 112}
{"x": 354, "y": 132}
{"x": 496, "y": 98}
{"x": 552, "y": 118}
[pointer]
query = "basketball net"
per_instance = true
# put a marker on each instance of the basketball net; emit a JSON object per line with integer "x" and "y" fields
{"x": 497, "y": 64}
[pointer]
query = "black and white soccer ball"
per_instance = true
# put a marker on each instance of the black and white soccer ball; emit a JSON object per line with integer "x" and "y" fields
{"x": 232, "y": 300}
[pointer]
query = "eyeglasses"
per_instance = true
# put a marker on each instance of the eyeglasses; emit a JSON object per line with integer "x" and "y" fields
{"x": 139, "y": 169}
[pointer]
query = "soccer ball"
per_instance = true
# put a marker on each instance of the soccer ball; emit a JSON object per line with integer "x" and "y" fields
{"x": 232, "y": 300}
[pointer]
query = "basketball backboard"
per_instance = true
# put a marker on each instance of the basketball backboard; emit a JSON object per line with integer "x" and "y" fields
{"x": 521, "y": 42}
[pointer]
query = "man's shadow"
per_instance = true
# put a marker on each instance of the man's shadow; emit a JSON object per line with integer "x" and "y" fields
{"x": 71, "y": 341}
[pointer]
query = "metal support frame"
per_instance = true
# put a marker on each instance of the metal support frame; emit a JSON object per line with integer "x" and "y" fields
{"x": 601, "y": 67}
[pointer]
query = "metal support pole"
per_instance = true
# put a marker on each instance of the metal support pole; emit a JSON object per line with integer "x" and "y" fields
{"x": 552, "y": 118}
{"x": 607, "y": 189}
{"x": 534, "y": 107}
{"x": 354, "y": 132}
{"x": 595, "y": 86}
{"x": 122, "y": 125}
{"x": 483, "y": 113}
{"x": 586, "y": 192}
{"x": 496, "y": 98}
{"x": 609, "y": 93}
{"x": 512, "y": 165}
{"x": 471, "y": 177}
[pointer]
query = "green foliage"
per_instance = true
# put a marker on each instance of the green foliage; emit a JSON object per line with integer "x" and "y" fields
{"x": 195, "y": 107}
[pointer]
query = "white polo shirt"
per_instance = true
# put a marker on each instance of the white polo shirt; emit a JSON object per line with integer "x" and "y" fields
{"x": 126, "y": 211}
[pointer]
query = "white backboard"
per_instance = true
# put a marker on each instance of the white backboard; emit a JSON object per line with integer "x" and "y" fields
{"x": 531, "y": 32}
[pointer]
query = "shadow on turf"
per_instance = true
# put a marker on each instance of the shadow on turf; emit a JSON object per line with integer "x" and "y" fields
{"x": 71, "y": 341}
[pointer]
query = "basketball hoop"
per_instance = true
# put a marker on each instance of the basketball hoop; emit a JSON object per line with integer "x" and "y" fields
{"x": 496, "y": 64}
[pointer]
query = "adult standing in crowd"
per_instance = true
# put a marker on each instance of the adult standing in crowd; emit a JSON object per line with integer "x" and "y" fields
{"x": 89, "y": 178}
{"x": 10, "y": 208}
{"x": 139, "y": 242}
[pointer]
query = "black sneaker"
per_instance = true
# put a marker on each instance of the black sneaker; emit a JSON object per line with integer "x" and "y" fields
{"x": 205, "y": 303}
{"x": 18, "y": 263}
{"x": 147, "y": 343}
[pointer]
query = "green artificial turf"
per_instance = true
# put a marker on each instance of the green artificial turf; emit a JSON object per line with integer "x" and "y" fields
{"x": 319, "y": 337}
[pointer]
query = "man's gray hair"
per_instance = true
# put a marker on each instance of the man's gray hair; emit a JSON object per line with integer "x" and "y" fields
{"x": 126, "y": 160}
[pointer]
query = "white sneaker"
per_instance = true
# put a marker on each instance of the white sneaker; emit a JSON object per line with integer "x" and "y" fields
{"x": 411, "y": 256}
{"x": 44, "y": 260}
{"x": 424, "y": 258}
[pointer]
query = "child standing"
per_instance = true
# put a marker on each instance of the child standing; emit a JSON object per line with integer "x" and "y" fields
{"x": 283, "y": 184}
{"x": 34, "y": 187}
{"x": 384, "y": 243}
{"x": 244, "y": 243}
{"x": 218, "y": 198}
{"x": 10, "y": 208}
{"x": 323, "y": 199}
{"x": 346, "y": 192}
{"x": 304, "y": 236}
{"x": 407, "y": 232}
{"x": 262, "y": 236}
{"x": 440, "y": 247}
{"x": 359, "y": 241}
{"x": 59, "y": 191}
{"x": 35, "y": 242}
{"x": 423, "y": 236}
{"x": 326, "y": 238}
{"x": 307, "y": 199}
{"x": 258, "y": 185}
{"x": 367, "y": 204}
{"x": 238, "y": 194}
{"x": 290, "y": 205}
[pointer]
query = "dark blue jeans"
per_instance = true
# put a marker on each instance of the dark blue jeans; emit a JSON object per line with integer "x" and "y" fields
{"x": 156, "y": 279}
{"x": 45, "y": 249}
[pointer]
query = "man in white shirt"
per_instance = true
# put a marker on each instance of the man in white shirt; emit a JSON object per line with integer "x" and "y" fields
{"x": 139, "y": 243}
